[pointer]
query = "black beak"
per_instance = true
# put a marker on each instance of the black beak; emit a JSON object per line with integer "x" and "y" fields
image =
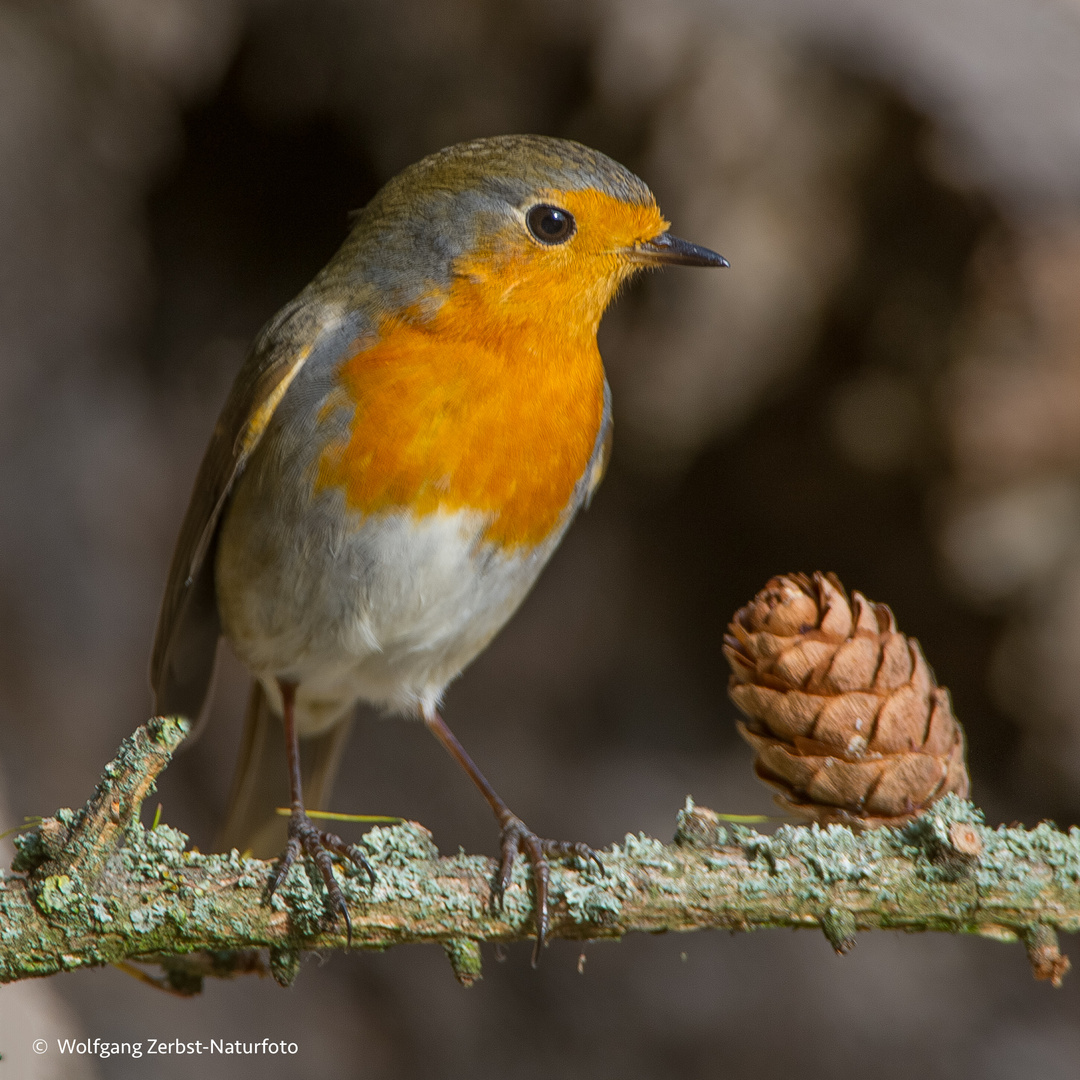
{"x": 665, "y": 248}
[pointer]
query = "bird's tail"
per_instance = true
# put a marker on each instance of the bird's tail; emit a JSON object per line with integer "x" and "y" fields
{"x": 261, "y": 780}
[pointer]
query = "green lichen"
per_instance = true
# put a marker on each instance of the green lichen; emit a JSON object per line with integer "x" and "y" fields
{"x": 398, "y": 845}
{"x": 833, "y": 853}
{"x": 647, "y": 851}
{"x": 57, "y": 894}
{"x": 253, "y": 875}
{"x": 590, "y": 902}
{"x": 203, "y": 910}
{"x": 29, "y": 851}
{"x": 168, "y": 731}
{"x": 838, "y": 925}
{"x": 284, "y": 964}
{"x": 154, "y": 855}
{"x": 465, "y": 960}
{"x": 304, "y": 894}
{"x": 99, "y": 911}
{"x": 699, "y": 827}
{"x": 149, "y": 917}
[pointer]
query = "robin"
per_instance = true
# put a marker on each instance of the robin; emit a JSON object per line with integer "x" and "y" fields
{"x": 401, "y": 453}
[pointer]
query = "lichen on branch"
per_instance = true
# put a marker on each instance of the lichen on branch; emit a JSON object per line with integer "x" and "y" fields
{"x": 96, "y": 887}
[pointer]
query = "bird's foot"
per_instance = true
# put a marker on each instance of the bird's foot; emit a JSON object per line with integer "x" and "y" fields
{"x": 321, "y": 846}
{"x": 517, "y": 838}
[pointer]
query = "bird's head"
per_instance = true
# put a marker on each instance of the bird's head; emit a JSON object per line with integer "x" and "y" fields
{"x": 531, "y": 227}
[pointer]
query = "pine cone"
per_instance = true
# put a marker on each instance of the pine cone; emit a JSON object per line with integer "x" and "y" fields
{"x": 843, "y": 711}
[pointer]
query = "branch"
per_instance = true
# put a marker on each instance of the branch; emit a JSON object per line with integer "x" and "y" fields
{"x": 97, "y": 887}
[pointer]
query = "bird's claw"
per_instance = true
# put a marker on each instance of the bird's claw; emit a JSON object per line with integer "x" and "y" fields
{"x": 517, "y": 838}
{"x": 306, "y": 837}
{"x": 563, "y": 849}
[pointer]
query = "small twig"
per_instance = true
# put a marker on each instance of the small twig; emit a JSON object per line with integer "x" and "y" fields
{"x": 1044, "y": 954}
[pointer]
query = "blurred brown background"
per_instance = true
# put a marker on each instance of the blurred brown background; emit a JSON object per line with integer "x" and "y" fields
{"x": 885, "y": 384}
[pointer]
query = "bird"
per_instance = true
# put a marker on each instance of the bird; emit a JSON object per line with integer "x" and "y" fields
{"x": 400, "y": 454}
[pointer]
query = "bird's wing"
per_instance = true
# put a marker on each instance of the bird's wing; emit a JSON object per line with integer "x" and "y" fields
{"x": 185, "y": 645}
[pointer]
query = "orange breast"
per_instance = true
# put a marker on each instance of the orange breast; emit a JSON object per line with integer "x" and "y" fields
{"x": 485, "y": 406}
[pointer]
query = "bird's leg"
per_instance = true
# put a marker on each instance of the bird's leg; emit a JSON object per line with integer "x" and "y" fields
{"x": 516, "y": 835}
{"x": 303, "y": 835}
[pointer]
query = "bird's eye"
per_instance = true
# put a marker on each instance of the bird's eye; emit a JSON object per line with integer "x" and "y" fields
{"x": 549, "y": 224}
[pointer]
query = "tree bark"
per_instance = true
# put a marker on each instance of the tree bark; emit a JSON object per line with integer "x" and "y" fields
{"x": 97, "y": 887}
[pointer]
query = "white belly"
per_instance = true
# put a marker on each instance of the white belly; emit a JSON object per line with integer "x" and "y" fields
{"x": 387, "y": 609}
